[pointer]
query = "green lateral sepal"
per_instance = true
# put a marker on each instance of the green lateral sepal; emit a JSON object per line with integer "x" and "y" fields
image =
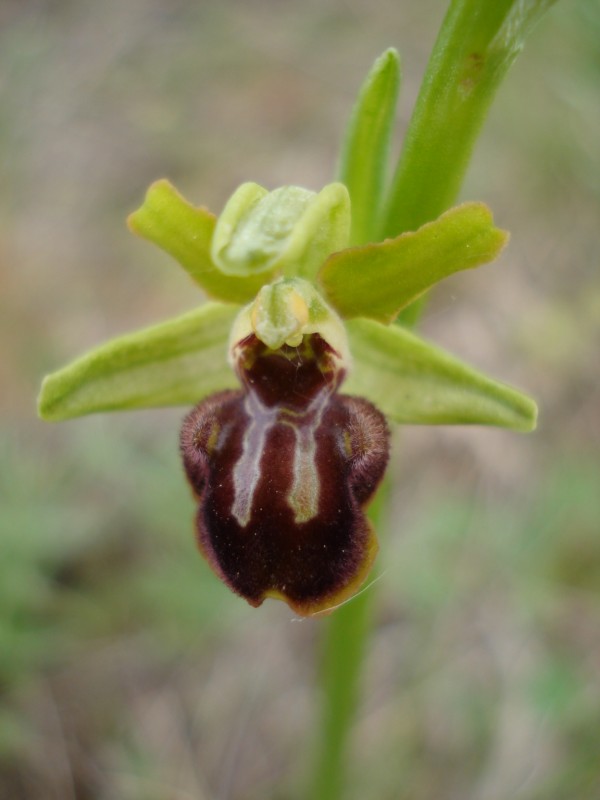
{"x": 175, "y": 363}
{"x": 413, "y": 382}
{"x": 185, "y": 232}
{"x": 378, "y": 280}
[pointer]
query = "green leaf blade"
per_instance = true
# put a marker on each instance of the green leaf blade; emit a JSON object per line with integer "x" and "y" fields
{"x": 185, "y": 232}
{"x": 366, "y": 145}
{"x": 175, "y": 363}
{"x": 378, "y": 280}
{"x": 413, "y": 382}
{"x": 476, "y": 45}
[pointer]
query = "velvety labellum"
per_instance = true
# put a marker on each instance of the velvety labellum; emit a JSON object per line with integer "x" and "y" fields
{"x": 282, "y": 469}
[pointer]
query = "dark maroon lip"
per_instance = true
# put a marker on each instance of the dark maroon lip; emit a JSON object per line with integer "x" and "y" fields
{"x": 282, "y": 469}
{"x": 290, "y": 375}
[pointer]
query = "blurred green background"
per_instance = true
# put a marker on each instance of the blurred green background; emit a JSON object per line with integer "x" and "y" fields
{"x": 127, "y": 671}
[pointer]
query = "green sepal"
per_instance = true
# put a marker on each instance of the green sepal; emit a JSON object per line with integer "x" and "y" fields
{"x": 185, "y": 232}
{"x": 378, "y": 280}
{"x": 413, "y": 382}
{"x": 175, "y": 363}
{"x": 365, "y": 149}
{"x": 289, "y": 231}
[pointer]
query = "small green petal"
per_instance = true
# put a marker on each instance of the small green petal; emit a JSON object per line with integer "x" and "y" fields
{"x": 288, "y": 231}
{"x": 366, "y": 145}
{"x": 185, "y": 232}
{"x": 413, "y": 382}
{"x": 175, "y": 363}
{"x": 378, "y": 280}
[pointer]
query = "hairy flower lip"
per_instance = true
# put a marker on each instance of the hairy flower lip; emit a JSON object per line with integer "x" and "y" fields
{"x": 289, "y": 377}
{"x": 329, "y": 603}
{"x": 282, "y": 475}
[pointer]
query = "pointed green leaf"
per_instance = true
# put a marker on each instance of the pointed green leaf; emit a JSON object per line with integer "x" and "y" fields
{"x": 414, "y": 382}
{"x": 377, "y": 280}
{"x": 185, "y": 232}
{"x": 476, "y": 45}
{"x": 174, "y": 363}
{"x": 289, "y": 231}
{"x": 366, "y": 145}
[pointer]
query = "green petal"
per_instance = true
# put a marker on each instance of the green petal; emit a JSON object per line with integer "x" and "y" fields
{"x": 175, "y": 363}
{"x": 185, "y": 232}
{"x": 288, "y": 231}
{"x": 366, "y": 145}
{"x": 377, "y": 280}
{"x": 414, "y": 382}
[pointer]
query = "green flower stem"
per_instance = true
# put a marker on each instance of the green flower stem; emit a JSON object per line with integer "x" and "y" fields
{"x": 344, "y": 643}
{"x": 477, "y": 43}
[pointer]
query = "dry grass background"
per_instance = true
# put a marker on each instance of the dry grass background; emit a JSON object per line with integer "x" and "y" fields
{"x": 126, "y": 671}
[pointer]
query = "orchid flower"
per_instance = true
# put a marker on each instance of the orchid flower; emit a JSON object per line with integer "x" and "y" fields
{"x": 304, "y": 300}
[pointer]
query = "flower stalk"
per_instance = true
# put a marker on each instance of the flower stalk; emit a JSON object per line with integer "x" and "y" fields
{"x": 476, "y": 45}
{"x": 343, "y": 648}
